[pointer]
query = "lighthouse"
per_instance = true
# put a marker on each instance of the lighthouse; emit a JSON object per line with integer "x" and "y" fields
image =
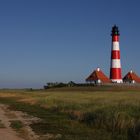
{"x": 115, "y": 69}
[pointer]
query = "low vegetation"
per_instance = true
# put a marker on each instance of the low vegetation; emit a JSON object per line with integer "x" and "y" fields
{"x": 1, "y": 124}
{"x": 100, "y": 113}
{"x": 16, "y": 124}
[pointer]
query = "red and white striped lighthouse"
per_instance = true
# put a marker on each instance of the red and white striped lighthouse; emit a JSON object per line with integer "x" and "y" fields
{"x": 115, "y": 69}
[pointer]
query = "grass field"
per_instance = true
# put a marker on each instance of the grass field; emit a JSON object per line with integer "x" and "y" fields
{"x": 80, "y": 113}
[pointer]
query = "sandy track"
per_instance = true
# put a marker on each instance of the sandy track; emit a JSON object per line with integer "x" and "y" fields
{"x": 7, "y": 133}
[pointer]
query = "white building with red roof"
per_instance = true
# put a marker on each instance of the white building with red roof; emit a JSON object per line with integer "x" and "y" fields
{"x": 131, "y": 77}
{"x": 98, "y": 77}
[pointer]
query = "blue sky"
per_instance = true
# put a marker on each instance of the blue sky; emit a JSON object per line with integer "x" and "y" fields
{"x": 61, "y": 40}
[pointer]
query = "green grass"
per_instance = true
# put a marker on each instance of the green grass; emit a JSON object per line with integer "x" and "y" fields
{"x": 16, "y": 124}
{"x": 2, "y": 125}
{"x": 52, "y": 122}
{"x": 107, "y": 114}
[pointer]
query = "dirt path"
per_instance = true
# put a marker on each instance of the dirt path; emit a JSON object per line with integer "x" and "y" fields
{"x": 8, "y": 133}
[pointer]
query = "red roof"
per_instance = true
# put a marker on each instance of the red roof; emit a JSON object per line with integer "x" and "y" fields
{"x": 130, "y": 76}
{"x": 98, "y": 75}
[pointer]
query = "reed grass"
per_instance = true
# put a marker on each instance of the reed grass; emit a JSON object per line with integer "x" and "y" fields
{"x": 81, "y": 114}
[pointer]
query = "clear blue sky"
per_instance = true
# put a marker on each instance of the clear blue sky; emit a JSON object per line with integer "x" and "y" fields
{"x": 61, "y": 40}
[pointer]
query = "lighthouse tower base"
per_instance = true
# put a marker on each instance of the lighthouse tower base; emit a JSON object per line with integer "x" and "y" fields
{"x": 117, "y": 81}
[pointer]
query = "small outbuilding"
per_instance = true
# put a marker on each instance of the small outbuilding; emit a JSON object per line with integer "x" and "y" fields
{"x": 131, "y": 77}
{"x": 98, "y": 77}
